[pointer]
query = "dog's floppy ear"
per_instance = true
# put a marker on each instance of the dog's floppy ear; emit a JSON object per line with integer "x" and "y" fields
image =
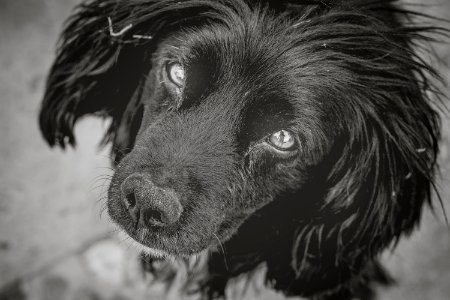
{"x": 385, "y": 147}
{"x": 95, "y": 72}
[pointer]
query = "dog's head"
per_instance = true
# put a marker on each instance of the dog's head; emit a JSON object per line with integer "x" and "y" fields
{"x": 308, "y": 123}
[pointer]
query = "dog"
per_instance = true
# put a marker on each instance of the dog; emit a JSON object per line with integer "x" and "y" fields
{"x": 297, "y": 135}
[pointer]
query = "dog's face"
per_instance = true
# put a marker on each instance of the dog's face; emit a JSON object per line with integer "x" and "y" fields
{"x": 226, "y": 127}
{"x": 303, "y": 128}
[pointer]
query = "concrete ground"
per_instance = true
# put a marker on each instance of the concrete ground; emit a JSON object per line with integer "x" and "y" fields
{"x": 54, "y": 244}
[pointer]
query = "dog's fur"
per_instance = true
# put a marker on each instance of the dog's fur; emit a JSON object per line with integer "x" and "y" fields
{"x": 341, "y": 75}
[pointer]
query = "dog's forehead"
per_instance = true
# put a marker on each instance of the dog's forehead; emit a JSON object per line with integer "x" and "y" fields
{"x": 238, "y": 56}
{"x": 246, "y": 70}
{"x": 247, "y": 64}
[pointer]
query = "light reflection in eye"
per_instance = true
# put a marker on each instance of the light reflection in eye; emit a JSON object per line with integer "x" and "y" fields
{"x": 282, "y": 140}
{"x": 176, "y": 74}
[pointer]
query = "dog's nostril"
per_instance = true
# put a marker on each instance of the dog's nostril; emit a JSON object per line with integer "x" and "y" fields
{"x": 153, "y": 217}
{"x": 130, "y": 200}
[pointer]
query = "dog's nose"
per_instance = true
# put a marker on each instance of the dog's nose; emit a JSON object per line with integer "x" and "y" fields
{"x": 148, "y": 204}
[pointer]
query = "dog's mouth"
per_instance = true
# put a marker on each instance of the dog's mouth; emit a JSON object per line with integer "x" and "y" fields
{"x": 138, "y": 242}
{"x": 184, "y": 238}
{"x": 170, "y": 245}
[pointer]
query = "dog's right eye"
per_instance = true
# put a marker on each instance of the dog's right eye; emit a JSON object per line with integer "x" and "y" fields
{"x": 282, "y": 140}
{"x": 176, "y": 74}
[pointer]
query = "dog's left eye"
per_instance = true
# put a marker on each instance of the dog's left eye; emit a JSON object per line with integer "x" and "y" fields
{"x": 282, "y": 140}
{"x": 176, "y": 74}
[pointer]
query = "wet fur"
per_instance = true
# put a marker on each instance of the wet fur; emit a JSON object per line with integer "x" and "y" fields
{"x": 350, "y": 83}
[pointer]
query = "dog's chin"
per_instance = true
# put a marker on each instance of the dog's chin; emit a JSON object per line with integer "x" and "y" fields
{"x": 145, "y": 249}
{"x": 155, "y": 248}
{"x": 163, "y": 245}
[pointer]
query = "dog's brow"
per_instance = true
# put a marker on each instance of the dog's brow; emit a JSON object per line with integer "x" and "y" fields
{"x": 200, "y": 78}
{"x": 264, "y": 117}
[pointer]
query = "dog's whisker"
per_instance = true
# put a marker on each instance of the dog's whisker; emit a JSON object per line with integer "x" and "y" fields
{"x": 223, "y": 251}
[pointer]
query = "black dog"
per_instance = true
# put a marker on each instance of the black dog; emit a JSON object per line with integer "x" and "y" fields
{"x": 301, "y": 134}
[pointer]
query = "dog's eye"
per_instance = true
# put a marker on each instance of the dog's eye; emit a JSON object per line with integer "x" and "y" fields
{"x": 282, "y": 140}
{"x": 176, "y": 74}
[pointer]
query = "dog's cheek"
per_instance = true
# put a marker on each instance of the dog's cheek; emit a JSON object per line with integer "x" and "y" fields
{"x": 256, "y": 191}
{"x": 267, "y": 176}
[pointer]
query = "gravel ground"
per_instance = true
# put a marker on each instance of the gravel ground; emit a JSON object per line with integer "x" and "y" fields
{"x": 54, "y": 244}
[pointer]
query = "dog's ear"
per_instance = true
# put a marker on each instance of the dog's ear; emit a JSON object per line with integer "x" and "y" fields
{"x": 382, "y": 175}
{"x": 95, "y": 72}
{"x": 385, "y": 146}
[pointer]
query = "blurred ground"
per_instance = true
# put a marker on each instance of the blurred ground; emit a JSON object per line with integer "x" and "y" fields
{"x": 53, "y": 242}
